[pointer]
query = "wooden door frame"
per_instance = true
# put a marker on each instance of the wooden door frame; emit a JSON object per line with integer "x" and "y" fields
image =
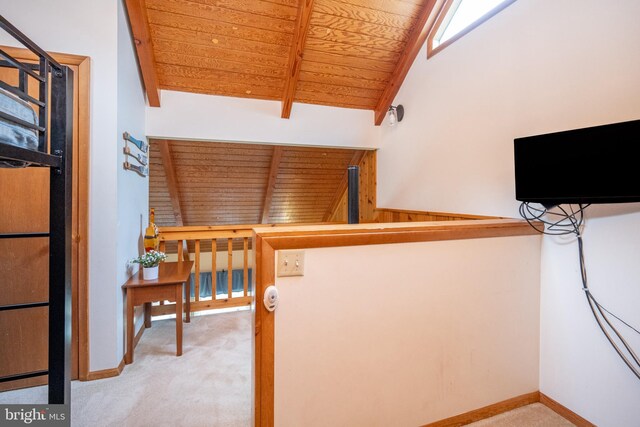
{"x": 80, "y": 238}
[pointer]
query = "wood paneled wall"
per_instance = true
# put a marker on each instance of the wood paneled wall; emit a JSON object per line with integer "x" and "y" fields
{"x": 368, "y": 189}
{"x": 399, "y": 215}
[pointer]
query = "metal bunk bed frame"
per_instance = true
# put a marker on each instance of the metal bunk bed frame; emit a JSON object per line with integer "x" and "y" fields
{"x": 55, "y": 147}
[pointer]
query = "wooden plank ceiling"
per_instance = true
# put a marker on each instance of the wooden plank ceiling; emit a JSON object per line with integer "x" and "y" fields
{"x": 207, "y": 183}
{"x": 345, "y": 53}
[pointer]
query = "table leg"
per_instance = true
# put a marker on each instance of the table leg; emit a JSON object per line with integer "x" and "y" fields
{"x": 187, "y": 290}
{"x": 179, "y": 320}
{"x": 147, "y": 314}
{"x": 129, "y": 355}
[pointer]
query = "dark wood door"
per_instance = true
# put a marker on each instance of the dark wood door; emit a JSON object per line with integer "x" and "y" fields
{"x": 24, "y": 266}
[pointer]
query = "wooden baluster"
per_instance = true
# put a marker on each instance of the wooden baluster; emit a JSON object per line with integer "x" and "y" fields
{"x": 246, "y": 265}
{"x": 214, "y": 275}
{"x": 230, "y": 265}
{"x": 163, "y": 245}
{"x": 179, "y": 242}
{"x": 197, "y": 273}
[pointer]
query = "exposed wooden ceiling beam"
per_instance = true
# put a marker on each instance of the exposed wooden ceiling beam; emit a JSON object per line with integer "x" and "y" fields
{"x": 419, "y": 34}
{"x": 139, "y": 22}
{"x": 295, "y": 55}
{"x": 271, "y": 184}
{"x": 342, "y": 187}
{"x": 172, "y": 188}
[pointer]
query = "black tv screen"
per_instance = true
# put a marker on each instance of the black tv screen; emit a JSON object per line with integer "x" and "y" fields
{"x": 599, "y": 164}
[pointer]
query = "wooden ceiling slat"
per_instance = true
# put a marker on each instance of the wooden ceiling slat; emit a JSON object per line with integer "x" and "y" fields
{"x": 311, "y": 172}
{"x": 311, "y": 151}
{"x": 367, "y": 76}
{"x": 221, "y": 163}
{"x": 335, "y": 90}
{"x": 228, "y": 159}
{"x": 240, "y": 153}
{"x": 209, "y": 51}
{"x": 306, "y": 179}
{"x": 351, "y": 50}
{"x": 347, "y": 61}
{"x": 221, "y": 172}
{"x": 341, "y": 81}
{"x": 402, "y": 8}
{"x": 206, "y": 147}
{"x": 257, "y": 181}
{"x": 216, "y": 41}
{"x": 355, "y": 39}
{"x": 221, "y": 14}
{"x": 196, "y": 23}
{"x": 357, "y": 26}
{"x": 239, "y": 80}
{"x": 199, "y": 185}
{"x": 329, "y": 99}
{"x": 224, "y": 89}
{"x": 344, "y": 10}
{"x": 214, "y": 91}
{"x": 171, "y": 58}
{"x": 264, "y": 8}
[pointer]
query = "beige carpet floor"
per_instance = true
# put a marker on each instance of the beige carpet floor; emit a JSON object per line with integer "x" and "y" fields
{"x": 534, "y": 415}
{"x": 209, "y": 385}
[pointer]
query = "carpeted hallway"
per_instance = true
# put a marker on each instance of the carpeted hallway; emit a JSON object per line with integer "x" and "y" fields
{"x": 209, "y": 385}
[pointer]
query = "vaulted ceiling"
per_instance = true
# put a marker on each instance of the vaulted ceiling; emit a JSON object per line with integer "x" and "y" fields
{"x": 346, "y": 53}
{"x": 207, "y": 183}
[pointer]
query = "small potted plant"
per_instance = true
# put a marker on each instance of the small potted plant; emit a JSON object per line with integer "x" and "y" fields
{"x": 150, "y": 262}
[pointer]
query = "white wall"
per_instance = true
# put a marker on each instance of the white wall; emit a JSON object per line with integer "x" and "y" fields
{"x": 133, "y": 190}
{"x": 90, "y": 28}
{"x": 376, "y": 341}
{"x": 538, "y": 66}
{"x": 193, "y": 116}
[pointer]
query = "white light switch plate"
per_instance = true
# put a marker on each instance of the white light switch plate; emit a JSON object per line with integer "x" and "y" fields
{"x": 290, "y": 263}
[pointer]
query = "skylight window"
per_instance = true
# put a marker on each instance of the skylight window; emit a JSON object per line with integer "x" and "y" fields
{"x": 458, "y": 17}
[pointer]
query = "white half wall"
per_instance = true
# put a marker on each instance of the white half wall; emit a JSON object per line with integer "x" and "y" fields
{"x": 406, "y": 334}
{"x": 185, "y": 115}
{"x": 538, "y": 66}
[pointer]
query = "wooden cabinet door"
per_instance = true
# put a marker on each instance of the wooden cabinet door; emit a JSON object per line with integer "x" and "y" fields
{"x": 24, "y": 266}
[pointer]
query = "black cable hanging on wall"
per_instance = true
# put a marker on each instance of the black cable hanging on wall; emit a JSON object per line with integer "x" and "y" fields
{"x": 570, "y": 221}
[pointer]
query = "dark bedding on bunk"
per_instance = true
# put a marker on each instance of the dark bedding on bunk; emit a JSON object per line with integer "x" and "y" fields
{"x": 14, "y": 134}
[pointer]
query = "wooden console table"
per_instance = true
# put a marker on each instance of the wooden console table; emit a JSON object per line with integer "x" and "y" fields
{"x": 168, "y": 286}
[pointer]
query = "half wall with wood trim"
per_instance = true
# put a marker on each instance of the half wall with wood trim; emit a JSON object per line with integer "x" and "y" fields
{"x": 411, "y": 324}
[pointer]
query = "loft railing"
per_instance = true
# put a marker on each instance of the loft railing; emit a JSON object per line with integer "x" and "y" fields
{"x": 192, "y": 243}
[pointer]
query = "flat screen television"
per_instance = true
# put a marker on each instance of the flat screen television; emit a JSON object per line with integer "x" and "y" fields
{"x": 598, "y": 164}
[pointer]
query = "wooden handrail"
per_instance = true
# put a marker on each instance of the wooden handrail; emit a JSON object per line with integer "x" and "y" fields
{"x": 302, "y": 237}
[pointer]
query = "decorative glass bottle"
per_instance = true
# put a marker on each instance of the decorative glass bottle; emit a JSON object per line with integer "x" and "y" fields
{"x": 151, "y": 234}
